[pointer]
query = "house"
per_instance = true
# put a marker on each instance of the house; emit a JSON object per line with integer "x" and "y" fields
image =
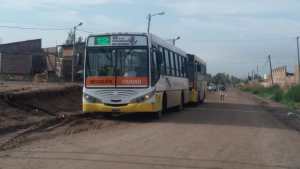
{"x": 281, "y": 77}
{"x": 64, "y": 61}
{"x": 22, "y": 58}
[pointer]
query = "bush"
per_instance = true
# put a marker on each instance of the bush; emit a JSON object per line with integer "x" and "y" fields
{"x": 278, "y": 95}
{"x": 291, "y": 98}
{"x": 274, "y": 92}
{"x": 293, "y": 94}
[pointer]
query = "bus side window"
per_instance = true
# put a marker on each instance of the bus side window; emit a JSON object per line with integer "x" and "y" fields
{"x": 172, "y": 65}
{"x": 163, "y": 61}
{"x": 175, "y": 64}
{"x": 154, "y": 70}
{"x": 168, "y": 67}
{"x": 199, "y": 68}
{"x": 179, "y": 65}
{"x": 182, "y": 66}
{"x": 185, "y": 67}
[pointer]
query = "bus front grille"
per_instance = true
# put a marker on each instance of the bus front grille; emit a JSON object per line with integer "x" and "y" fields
{"x": 116, "y": 94}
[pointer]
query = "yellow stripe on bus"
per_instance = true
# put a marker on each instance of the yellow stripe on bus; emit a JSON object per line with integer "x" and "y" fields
{"x": 132, "y": 107}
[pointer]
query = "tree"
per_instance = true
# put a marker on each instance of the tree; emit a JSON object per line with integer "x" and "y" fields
{"x": 70, "y": 38}
{"x": 224, "y": 79}
{"x": 80, "y": 39}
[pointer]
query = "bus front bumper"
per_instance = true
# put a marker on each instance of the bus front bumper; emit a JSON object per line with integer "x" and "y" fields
{"x": 129, "y": 108}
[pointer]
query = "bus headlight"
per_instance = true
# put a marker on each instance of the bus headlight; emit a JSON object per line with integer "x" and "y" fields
{"x": 91, "y": 99}
{"x": 143, "y": 98}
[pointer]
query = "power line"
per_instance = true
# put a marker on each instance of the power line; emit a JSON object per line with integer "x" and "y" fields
{"x": 246, "y": 40}
{"x": 41, "y": 28}
{"x": 32, "y": 28}
{"x": 82, "y": 30}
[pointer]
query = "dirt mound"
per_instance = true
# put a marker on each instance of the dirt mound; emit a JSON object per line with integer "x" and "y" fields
{"x": 22, "y": 107}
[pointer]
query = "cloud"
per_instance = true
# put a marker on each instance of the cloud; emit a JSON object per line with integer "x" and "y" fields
{"x": 31, "y": 4}
{"x": 228, "y": 7}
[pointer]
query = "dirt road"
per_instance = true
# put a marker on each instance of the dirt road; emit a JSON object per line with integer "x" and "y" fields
{"x": 238, "y": 134}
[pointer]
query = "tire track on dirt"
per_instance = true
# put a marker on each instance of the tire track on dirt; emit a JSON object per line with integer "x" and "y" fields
{"x": 67, "y": 125}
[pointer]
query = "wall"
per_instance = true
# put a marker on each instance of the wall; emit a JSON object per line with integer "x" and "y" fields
{"x": 24, "y": 57}
{"x": 22, "y": 47}
{"x": 281, "y": 77}
{"x": 16, "y": 64}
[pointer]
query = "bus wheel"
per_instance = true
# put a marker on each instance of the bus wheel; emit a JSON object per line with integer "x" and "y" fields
{"x": 158, "y": 115}
{"x": 107, "y": 115}
{"x": 165, "y": 104}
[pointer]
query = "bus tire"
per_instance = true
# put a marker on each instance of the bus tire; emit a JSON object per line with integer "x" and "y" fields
{"x": 158, "y": 115}
{"x": 165, "y": 104}
{"x": 107, "y": 115}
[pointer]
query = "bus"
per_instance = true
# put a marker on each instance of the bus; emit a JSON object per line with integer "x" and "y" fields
{"x": 137, "y": 72}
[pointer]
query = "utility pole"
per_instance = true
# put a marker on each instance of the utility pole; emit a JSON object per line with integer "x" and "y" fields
{"x": 175, "y": 39}
{"x": 149, "y": 23}
{"x": 298, "y": 50}
{"x": 298, "y": 68}
{"x": 270, "y": 63}
{"x": 248, "y": 76}
{"x": 74, "y": 48}
{"x": 149, "y": 17}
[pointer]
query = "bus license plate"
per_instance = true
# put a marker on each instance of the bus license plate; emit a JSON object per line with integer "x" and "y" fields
{"x": 115, "y": 110}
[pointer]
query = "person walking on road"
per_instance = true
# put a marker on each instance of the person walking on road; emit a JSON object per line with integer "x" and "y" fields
{"x": 222, "y": 93}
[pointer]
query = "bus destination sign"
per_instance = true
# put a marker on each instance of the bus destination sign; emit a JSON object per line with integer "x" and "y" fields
{"x": 118, "y": 40}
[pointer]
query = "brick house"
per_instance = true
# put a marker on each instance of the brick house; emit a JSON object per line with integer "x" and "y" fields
{"x": 22, "y": 58}
{"x": 64, "y": 61}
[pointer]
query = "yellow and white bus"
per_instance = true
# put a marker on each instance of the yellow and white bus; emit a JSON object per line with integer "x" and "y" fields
{"x": 197, "y": 79}
{"x": 136, "y": 72}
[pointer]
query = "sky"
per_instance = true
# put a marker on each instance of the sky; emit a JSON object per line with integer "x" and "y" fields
{"x": 232, "y": 36}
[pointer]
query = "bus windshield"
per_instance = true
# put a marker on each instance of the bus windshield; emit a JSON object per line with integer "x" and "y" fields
{"x": 117, "y": 67}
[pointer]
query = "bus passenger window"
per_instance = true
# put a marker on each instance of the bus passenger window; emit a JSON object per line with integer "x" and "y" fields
{"x": 168, "y": 68}
{"x": 180, "y": 65}
{"x": 185, "y": 67}
{"x": 163, "y": 63}
{"x": 175, "y": 64}
{"x": 172, "y": 65}
{"x": 154, "y": 68}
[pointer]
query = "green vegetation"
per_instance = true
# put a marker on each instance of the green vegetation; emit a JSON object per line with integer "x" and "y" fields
{"x": 224, "y": 79}
{"x": 291, "y": 97}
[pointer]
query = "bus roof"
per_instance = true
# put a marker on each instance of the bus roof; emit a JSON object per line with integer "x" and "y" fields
{"x": 200, "y": 60}
{"x": 154, "y": 39}
{"x": 197, "y": 58}
{"x": 166, "y": 44}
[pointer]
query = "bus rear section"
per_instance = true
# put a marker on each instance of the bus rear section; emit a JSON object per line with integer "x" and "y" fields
{"x": 197, "y": 79}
